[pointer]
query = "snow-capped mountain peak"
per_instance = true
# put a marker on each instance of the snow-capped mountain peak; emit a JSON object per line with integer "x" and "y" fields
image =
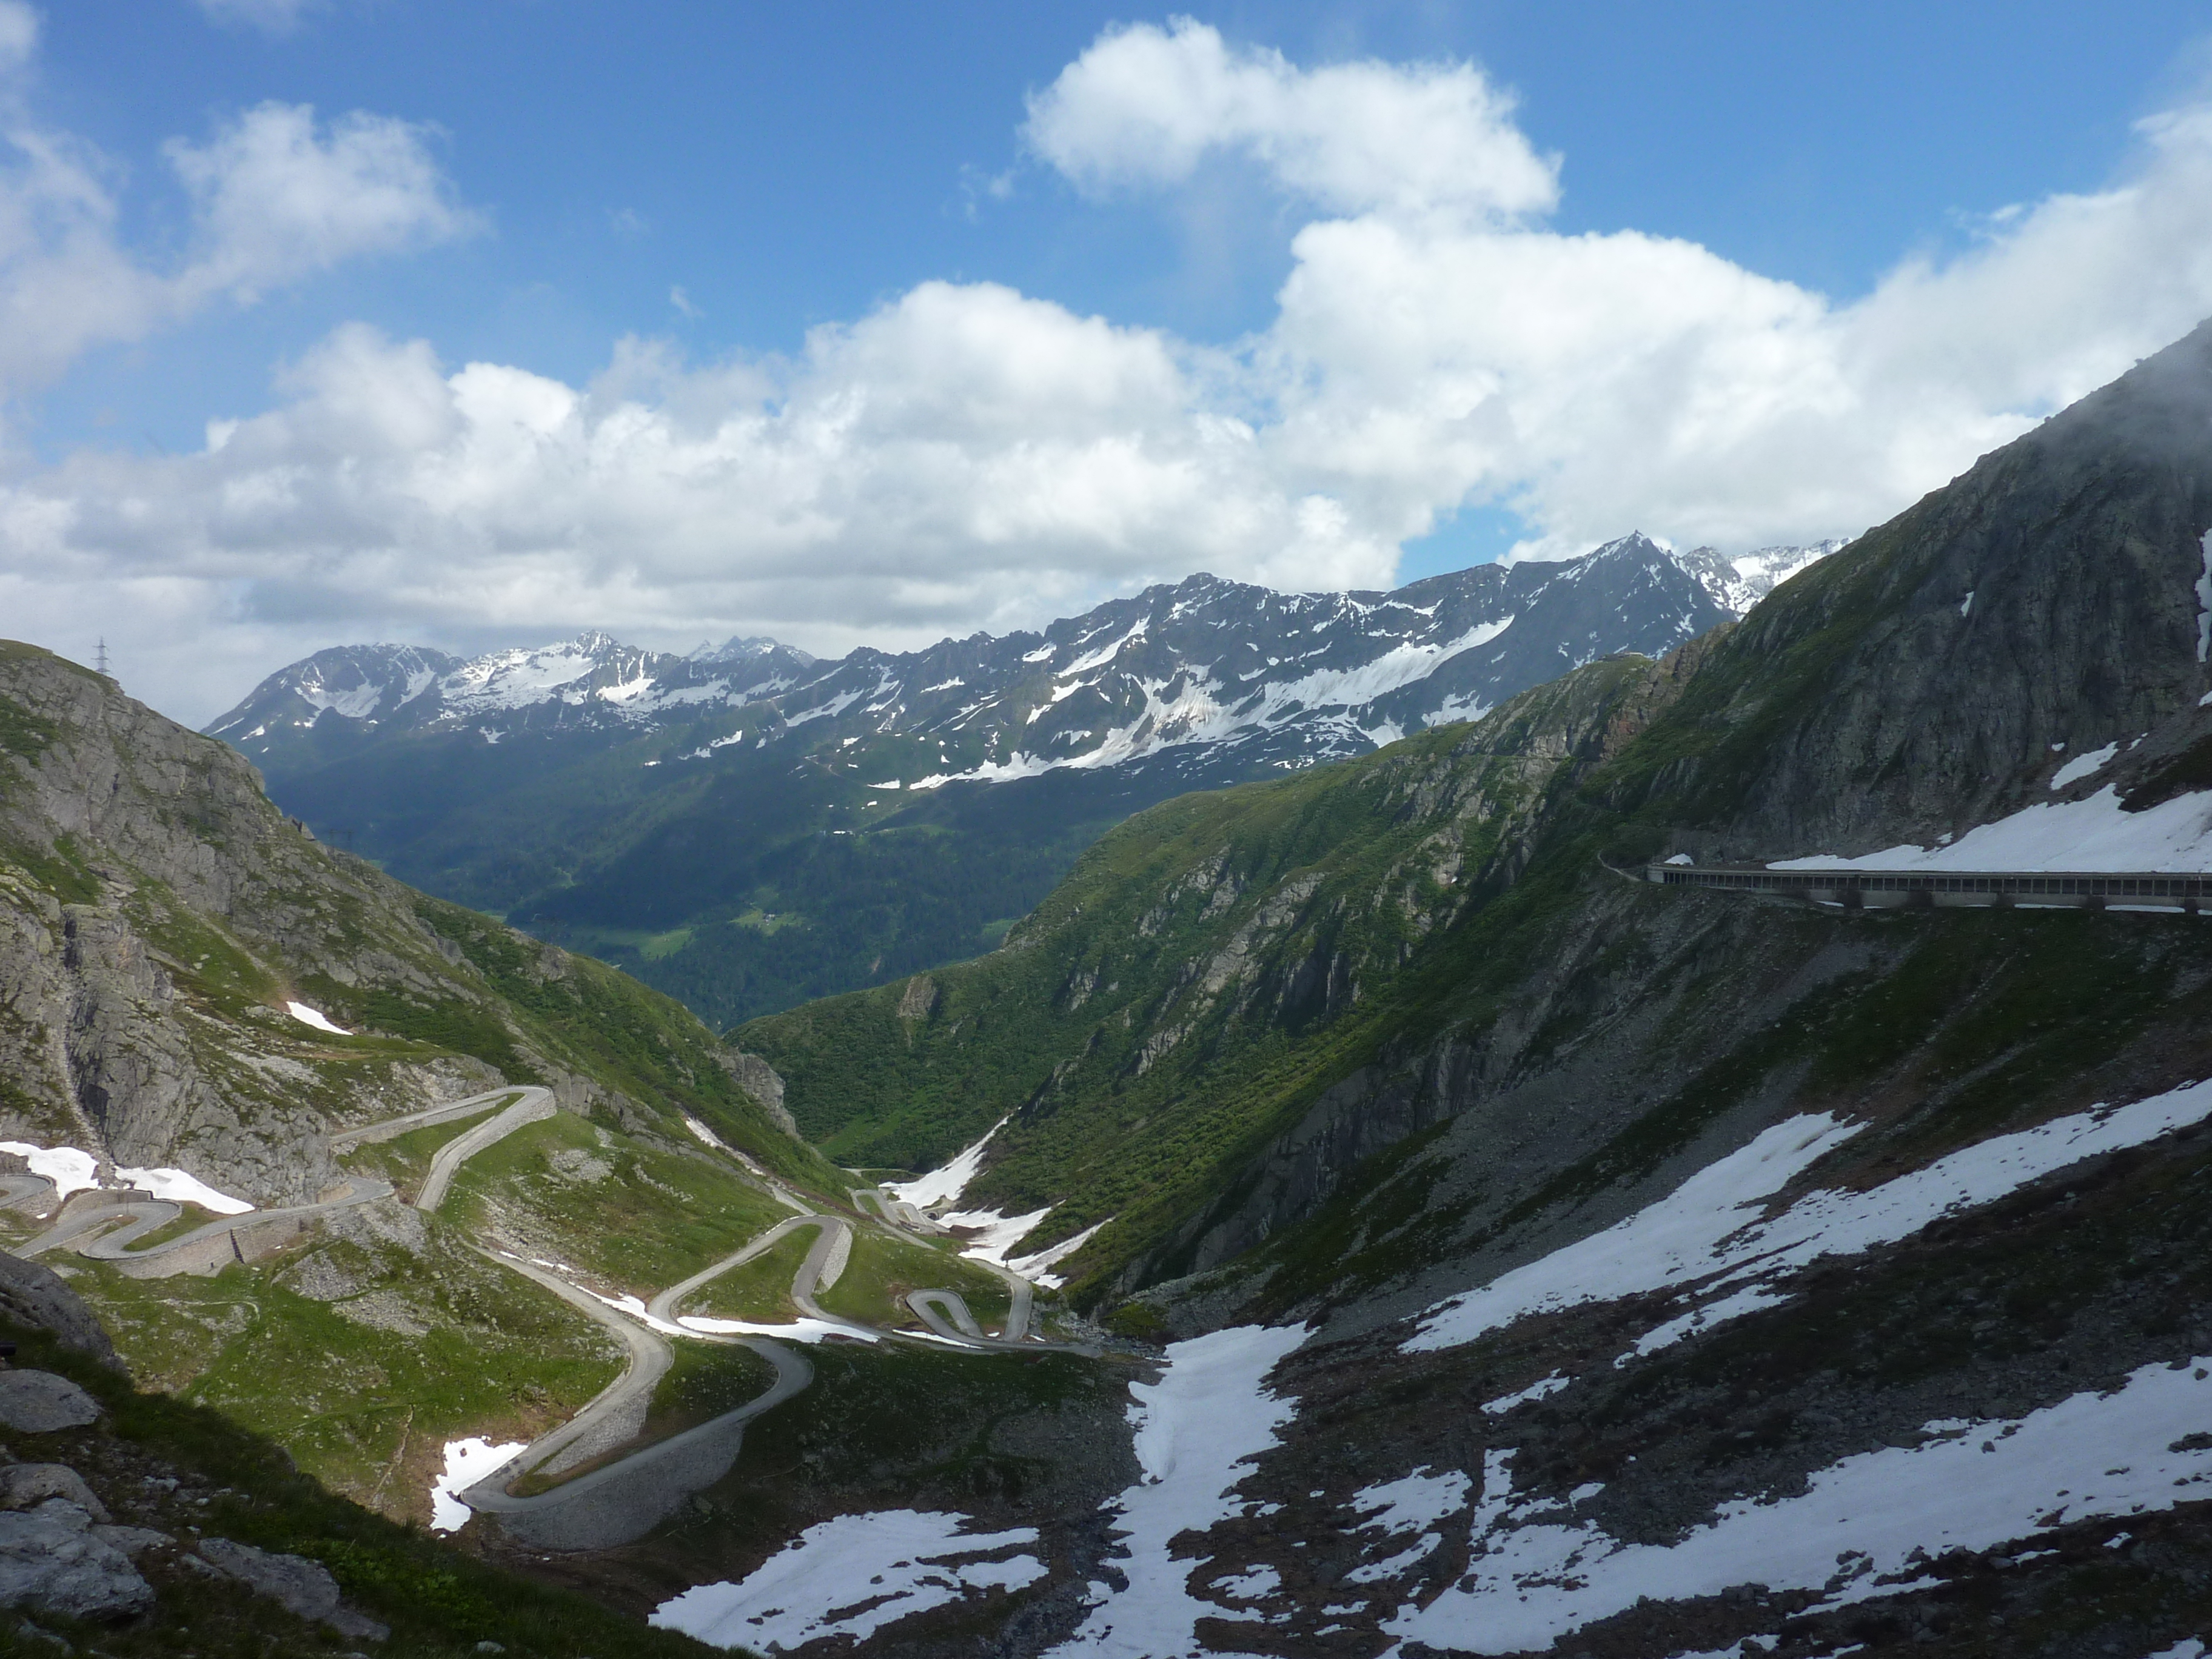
{"x": 1220, "y": 678}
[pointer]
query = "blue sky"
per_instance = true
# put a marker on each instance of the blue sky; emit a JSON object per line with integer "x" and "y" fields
{"x": 729, "y": 187}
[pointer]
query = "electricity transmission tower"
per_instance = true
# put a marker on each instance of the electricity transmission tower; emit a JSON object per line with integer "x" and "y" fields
{"x": 101, "y": 660}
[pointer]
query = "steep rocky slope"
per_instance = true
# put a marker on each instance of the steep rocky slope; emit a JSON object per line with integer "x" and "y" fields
{"x": 198, "y": 1001}
{"x": 160, "y": 915}
{"x": 1583, "y": 1266}
{"x": 745, "y": 828}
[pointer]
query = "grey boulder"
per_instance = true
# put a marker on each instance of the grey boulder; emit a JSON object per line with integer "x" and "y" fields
{"x": 133, "y": 1541}
{"x": 52, "y": 1562}
{"x": 27, "y": 1485}
{"x": 294, "y": 1583}
{"x": 38, "y": 1402}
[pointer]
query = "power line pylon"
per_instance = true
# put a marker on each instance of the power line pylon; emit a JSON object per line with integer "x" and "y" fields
{"x": 102, "y": 660}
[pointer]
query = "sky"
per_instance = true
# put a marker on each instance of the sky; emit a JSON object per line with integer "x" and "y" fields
{"x": 331, "y": 321}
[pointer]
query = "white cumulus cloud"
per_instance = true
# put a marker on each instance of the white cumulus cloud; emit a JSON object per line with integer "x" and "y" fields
{"x": 968, "y": 456}
{"x": 273, "y": 197}
{"x": 1143, "y": 106}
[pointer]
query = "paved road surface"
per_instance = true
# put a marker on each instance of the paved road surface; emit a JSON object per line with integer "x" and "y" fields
{"x": 451, "y": 1112}
{"x": 534, "y": 1106}
{"x": 84, "y": 1227}
{"x": 25, "y": 1192}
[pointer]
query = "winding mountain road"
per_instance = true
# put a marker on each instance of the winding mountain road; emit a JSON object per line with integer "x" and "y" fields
{"x": 619, "y": 1495}
{"x": 106, "y": 1231}
{"x": 17, "y": 1191}
{"x": 534, "y": 1106}
{"x": 451, "y": 1112}
{"x": 85, "y": 1229}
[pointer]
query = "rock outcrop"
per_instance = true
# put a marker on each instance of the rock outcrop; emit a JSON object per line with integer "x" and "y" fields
{"x": 36, "y": 1296}
{"x": 52, "y": 1561}
{"x": 41, "y": 1402}
{"x": 300, "y": 1586}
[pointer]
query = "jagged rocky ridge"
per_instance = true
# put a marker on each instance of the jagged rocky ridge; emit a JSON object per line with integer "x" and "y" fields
{"x": 745, "y": 828}
{"x": 1203, "y": 664}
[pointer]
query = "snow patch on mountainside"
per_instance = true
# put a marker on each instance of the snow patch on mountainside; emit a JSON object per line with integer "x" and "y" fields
{"x": 180, "y": 1187}
{"x": 355, "y": 703}
{"x": 1196, "y": 709}
{"x": 71, "y": 1168}
{"x": 467, "y": 1462}
{"x": 2082, "y": 765}
{"x": 1711, "y": 1231}
{"x": 950, "y": 1179}
{"x": 1197, "y": 1431}
{"x": 1861, "y": 1527}
{"x": 2086, "y": 835}
{"x": 849, "y": 1578}
{"x": 507, "y": 680}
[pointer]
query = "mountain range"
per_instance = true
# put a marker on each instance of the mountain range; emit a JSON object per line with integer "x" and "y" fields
{"x": 1357, "y": 1211}
{"x": 676, "y": 814}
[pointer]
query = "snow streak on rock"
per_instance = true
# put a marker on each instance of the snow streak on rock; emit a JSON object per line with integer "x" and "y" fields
{"x": 1862, "y": 1528}
{"x": 850, "y": 1576}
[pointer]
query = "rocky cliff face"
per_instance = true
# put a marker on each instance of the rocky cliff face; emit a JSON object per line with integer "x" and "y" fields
{"x": 1935, "y": 674}
{"x": 158, "y": 920}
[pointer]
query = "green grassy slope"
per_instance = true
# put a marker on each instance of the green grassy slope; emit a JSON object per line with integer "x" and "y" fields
{"x": 182, "y": 1468}
{"x": 1207, "y": 970}
{"x": 739, "y": 890}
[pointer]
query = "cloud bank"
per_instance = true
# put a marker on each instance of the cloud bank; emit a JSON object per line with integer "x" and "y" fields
{"x": 968, "y": 456}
